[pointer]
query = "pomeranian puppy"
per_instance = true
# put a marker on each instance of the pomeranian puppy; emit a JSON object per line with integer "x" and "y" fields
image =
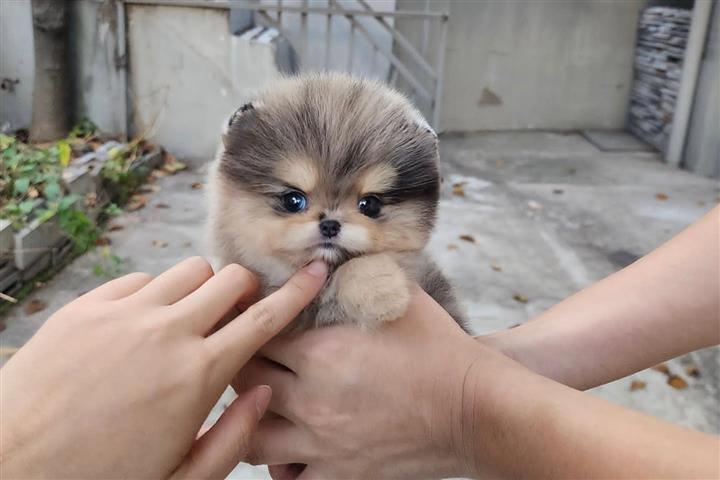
{"x": 332, "y": 167}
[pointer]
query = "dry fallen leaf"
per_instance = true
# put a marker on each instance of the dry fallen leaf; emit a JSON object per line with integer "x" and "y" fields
{"x": 637, "y": 385}
{"x": 692, "y": 370}
{"x": 35, "y": 305}
{"x": 677, "y": 382}
{"x": 33, "y": 192}
{"x": 114, "y": 227}
{"x": 518, "y": 297}
{"x": 558, "y": 191}
{"x": 495, "y": 267}
{"x": 499, "y": 163}
{"x": 535, "y": 206}
{"x": 452, "y": 246}
{"x": 459, "y": 189}
{"x": 162, "y": 205}
{"x": 196, "y": 185}
{"x": 160, "y": 243}
{"x": 158, "y": 174}
{"x": 174, "y": 166}
{"x": 102, "y": 242}
{"x": 136, "y": 202}
{"x": 467, "y": 238}
{"x": 661, "y": 196}
{"x": 662, "y": 368}
{"x": 149, "y": 188}
{"x": 91, "y": 199}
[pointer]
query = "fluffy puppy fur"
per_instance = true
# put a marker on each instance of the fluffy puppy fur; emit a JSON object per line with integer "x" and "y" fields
{"x": 331, "y": 167}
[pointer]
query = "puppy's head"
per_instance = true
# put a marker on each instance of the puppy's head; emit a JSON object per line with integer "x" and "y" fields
{"x": 327, "y": 166}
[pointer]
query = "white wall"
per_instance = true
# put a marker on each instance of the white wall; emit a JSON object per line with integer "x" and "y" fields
{"x": 17, "y": 62}
{"x": 538, "y": 64}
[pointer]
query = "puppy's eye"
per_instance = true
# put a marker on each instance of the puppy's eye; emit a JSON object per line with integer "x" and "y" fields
{"x": 370, "y": 206}
{"x": 294, "y": 202}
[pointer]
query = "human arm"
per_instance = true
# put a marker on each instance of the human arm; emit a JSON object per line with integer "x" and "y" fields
{"x": 420, "y": 399}
{"x": 118, "y": 382}
{"x": 665, "y": 304}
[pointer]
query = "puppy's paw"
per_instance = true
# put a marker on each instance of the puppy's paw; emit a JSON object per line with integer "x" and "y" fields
{"x": 371, "y": 289}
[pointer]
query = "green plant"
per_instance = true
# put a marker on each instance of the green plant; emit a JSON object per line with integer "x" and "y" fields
{"x": 112, "y": 210}
{"x": 109, "y": 265}
{"x": 84, "y": 128}
{"x": 27, "y": 174}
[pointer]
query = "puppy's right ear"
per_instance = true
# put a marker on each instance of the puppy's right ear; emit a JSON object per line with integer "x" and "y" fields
{"x": 236, "y": 117}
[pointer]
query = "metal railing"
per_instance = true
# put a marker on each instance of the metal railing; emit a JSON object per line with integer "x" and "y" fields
{"x": 409, "y": 67}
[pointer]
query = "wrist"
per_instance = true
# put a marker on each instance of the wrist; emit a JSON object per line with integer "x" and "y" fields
{"x": 495, "y": 413}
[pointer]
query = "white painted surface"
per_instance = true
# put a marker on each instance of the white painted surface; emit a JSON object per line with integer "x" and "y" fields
{"x": 188, "y": 74}
{"x": 550, "y": 64}
{"x": 17, "y": 62}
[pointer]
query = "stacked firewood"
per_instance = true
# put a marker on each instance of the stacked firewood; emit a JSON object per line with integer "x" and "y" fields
{"x": 662, "y": 37}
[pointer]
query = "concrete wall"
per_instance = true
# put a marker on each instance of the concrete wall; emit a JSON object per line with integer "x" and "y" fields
{"x": 550, "y": 64}
{"x": 17, "y": 64}
{"x": 702, "y": 150}
{"x": 98, "y": 62}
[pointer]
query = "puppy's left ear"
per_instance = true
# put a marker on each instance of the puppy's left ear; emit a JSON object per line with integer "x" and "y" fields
{"x": 236, "y": 117}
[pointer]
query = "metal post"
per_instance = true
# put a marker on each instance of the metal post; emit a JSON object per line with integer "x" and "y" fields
{"x": 351, "y": 54}
{"x": 304, "y": 33}
{"x": 437, "y": 102}
{"x": 328, "y": 36}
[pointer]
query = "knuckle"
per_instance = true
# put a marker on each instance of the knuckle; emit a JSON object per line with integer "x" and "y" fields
{"x": 201, "y": 265}
{"x": 262, "y": 318}
{"x": 140, "y": 276}
{"x": 242, "y": 276}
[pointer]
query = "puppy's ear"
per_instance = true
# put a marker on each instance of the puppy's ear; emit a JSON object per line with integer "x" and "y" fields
{"x": 236, "y": 118}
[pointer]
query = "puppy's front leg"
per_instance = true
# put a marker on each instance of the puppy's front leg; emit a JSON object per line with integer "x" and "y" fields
{"x": 366, "y": 290}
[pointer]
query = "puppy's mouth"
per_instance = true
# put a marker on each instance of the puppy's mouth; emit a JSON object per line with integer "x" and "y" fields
{"x": 331, "y": 252}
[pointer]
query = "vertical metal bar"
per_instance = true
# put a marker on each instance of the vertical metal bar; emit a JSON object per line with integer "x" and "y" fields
{"x": 351, "y": 54}
{"x": 426, "y": 31}
{"x": 437, "y": 101}
{"x": 328, "y": 35}
{"x": 304, "y": 34}
{"x": 279, "y": 13}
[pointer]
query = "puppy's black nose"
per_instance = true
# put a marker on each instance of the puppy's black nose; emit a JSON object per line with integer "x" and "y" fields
{"x": 329, "y": 228}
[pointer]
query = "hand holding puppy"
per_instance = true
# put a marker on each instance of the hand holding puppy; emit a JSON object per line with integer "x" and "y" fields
{"x": 118, "y": 382}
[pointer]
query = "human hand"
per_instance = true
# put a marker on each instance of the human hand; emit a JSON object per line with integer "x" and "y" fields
{"x": 358, "y": 405}
{"x": 118, "y": 382}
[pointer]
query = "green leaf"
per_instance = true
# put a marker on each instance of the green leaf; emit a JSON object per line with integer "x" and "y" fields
{"x": 22, "y": 184}
{"x": 67, "y": 202}
{"x": 6, "y": 141}
{"x": 64, "y": 152}
{"x": 46, "y": 214}
{"x": 52, "y": 190}
{"x": 26, "y": 206}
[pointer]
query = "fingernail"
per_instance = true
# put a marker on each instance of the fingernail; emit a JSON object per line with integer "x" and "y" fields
{"x": 262, "y": 399}
{"x": 318, "y": 268}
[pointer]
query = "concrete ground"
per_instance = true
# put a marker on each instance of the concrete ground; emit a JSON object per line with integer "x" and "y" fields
{"x": 551, "y": 211}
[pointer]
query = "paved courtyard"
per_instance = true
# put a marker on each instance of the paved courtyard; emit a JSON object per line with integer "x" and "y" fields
{"x": 537, "y": 216}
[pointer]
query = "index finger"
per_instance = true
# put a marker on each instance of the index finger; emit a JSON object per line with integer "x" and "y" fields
{"x": 237, "y": 341}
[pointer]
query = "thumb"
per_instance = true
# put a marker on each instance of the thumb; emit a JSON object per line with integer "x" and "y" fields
{"x": 226, "y": 444}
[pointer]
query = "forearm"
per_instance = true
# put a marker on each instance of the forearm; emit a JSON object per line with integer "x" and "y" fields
{"x": 528, "y": 426}
{"x": 664, "y": 305}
